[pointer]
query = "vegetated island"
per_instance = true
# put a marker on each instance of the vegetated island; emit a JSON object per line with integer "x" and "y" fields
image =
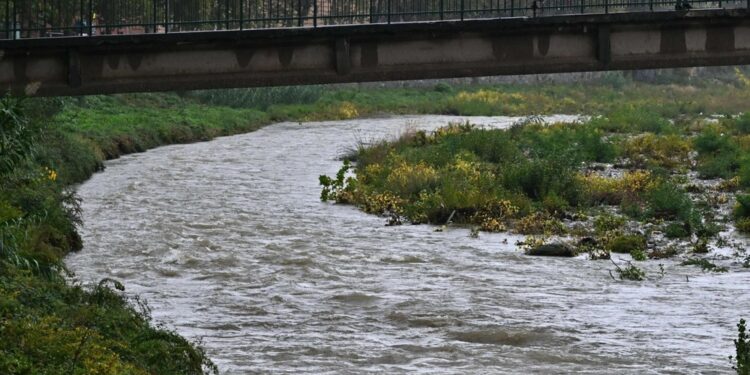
{"x": 630, "y": 181}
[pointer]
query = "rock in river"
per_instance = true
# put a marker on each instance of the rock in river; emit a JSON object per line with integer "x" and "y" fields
{"x": 552, "y": 250}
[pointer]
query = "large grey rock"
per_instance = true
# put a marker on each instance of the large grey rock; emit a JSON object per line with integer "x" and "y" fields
{"x": 552, "y": 250}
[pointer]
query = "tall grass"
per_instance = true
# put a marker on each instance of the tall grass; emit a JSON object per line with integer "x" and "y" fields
{"x": 49, "y": 325}
{"x": 260, "y": 98}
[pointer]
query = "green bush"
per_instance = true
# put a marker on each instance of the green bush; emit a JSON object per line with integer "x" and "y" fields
{"x": 607, "y": 222}
{"x": 634, "y": 119}
{"x": 742, "y": 123}
{"x": 718, "y": 154}
{"x": 742, "y": 207}
{"x": 741, "y": 359}
{"x": 669, "y": 201}
{"x": 676, "y": 230}
{"x": 705, "y": 265}
{"x": 741, "y": 213}
{"x": 627, "y": 243}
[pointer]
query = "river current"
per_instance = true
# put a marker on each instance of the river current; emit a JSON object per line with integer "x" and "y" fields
{"x": 229, "y": 243}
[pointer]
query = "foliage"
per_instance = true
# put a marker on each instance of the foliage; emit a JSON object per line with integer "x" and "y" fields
{"x": 741, "y": 360}
{"x": 741, "y": 213}
{"x": 16, "y": 136}
{"x": 667, "y": 200}
{"x": 626, "y": 243}
{"x": 718, "y": 154}
{"x": 340, "y": 188}
{"x": 650, "y": 150}
{"x": 606, "y": 223}
{"x": 704, "y": 264}
{"x": 260, "y": 98}
{"x": 676, "y": 230}
{"x": 50, "y": 325}
{"x": 638, "y": 254}
{"x": 630, "y": 272}
{"x": 634, "y": 119}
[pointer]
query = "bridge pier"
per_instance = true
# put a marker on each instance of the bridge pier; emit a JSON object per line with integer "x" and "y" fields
{"x": 225, "y": 59}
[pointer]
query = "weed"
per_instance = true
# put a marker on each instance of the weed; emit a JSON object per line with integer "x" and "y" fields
{"x": 629, "y": 272}
{"x": 704, "y": 264}
{"x": 608, "y": 222}
{"x": 676, "y": 230}
{"x": 626, "y": 244}
{"x": 338, "y": 189}
{"x": 741, "y": 360}
{"x": 741, "y": 213}
{"x": 638, "y": 254}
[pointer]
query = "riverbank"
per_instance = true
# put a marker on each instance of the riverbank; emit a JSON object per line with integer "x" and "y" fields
{"x": 64, "y": 141}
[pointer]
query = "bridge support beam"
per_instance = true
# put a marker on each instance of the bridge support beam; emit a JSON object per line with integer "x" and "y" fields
{"x": 183, "y": 61}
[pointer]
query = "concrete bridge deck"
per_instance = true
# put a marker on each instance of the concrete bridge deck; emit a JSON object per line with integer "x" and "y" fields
{"x": 374, "y": 52}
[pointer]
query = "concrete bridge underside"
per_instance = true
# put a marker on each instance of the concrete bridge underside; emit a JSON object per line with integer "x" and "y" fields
{"x": 225, "y": 59}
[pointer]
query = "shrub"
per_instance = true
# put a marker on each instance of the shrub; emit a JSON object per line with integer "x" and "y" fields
{"x": 443, "y": 87}
{"x": 742, "y": 123}
{"x": 741, "y": 213}
{"x": 742, "y": 225}
{"x": 718, "y": 155}
{"x": 668, "y": 201}
{"x": 632, "y": 119}
{"x": 626, "y": 243}
{"x": 630, "y": 272}
{"x": 676, "y": 230}
{"x": 741, "y": 360}
{"x": 539, "y": 223}
{"x": 742, "y": 207}
{"x": 638, "y": 254}
{"x": 608, "y": 222}
{"x": 667, "y": 151}
{"x": 340, "y": 188}
{"x": 743, "y": 172}
{"x": 704, "y": 264}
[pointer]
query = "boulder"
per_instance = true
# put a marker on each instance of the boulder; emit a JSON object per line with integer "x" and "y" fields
{"x": 552, "y": 250}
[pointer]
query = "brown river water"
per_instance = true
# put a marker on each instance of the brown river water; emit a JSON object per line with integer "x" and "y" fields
{"x": 229, "y": 243}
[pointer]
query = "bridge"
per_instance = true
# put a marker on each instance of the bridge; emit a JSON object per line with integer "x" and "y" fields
{"x": 50, "y": 47}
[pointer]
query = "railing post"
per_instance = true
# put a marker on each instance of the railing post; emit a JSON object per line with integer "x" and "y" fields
{"x": 270, "y": 12}
{"x": 242, "y": 14}
{"x": 315, "y": 13}
{"x": 651, "y": 5}
{"x": 154, "y": 25}
{"x": 512, "y": 8}
{"x": 80, "y": 20}
{"x": 372, "y": 12}
{"x": 91, "y": 18}
{"x": 583, "y": 6}
{"x": 299, "y": 12}
{"x": 7, "y": 20}
{"x": 227, "y": 24}
{"x": 13, "y": 19}
{"x": 442, "y": 7}
{"x": 606, "y": 6}
{"x": 166, "y": 16}
{"x": 389, "y": 12}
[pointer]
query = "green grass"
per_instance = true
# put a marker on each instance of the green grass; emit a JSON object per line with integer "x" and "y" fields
{"x": 49, "y": 325}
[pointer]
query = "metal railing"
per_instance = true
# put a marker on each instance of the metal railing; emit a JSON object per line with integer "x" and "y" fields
{"x": 52, "y": 18}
